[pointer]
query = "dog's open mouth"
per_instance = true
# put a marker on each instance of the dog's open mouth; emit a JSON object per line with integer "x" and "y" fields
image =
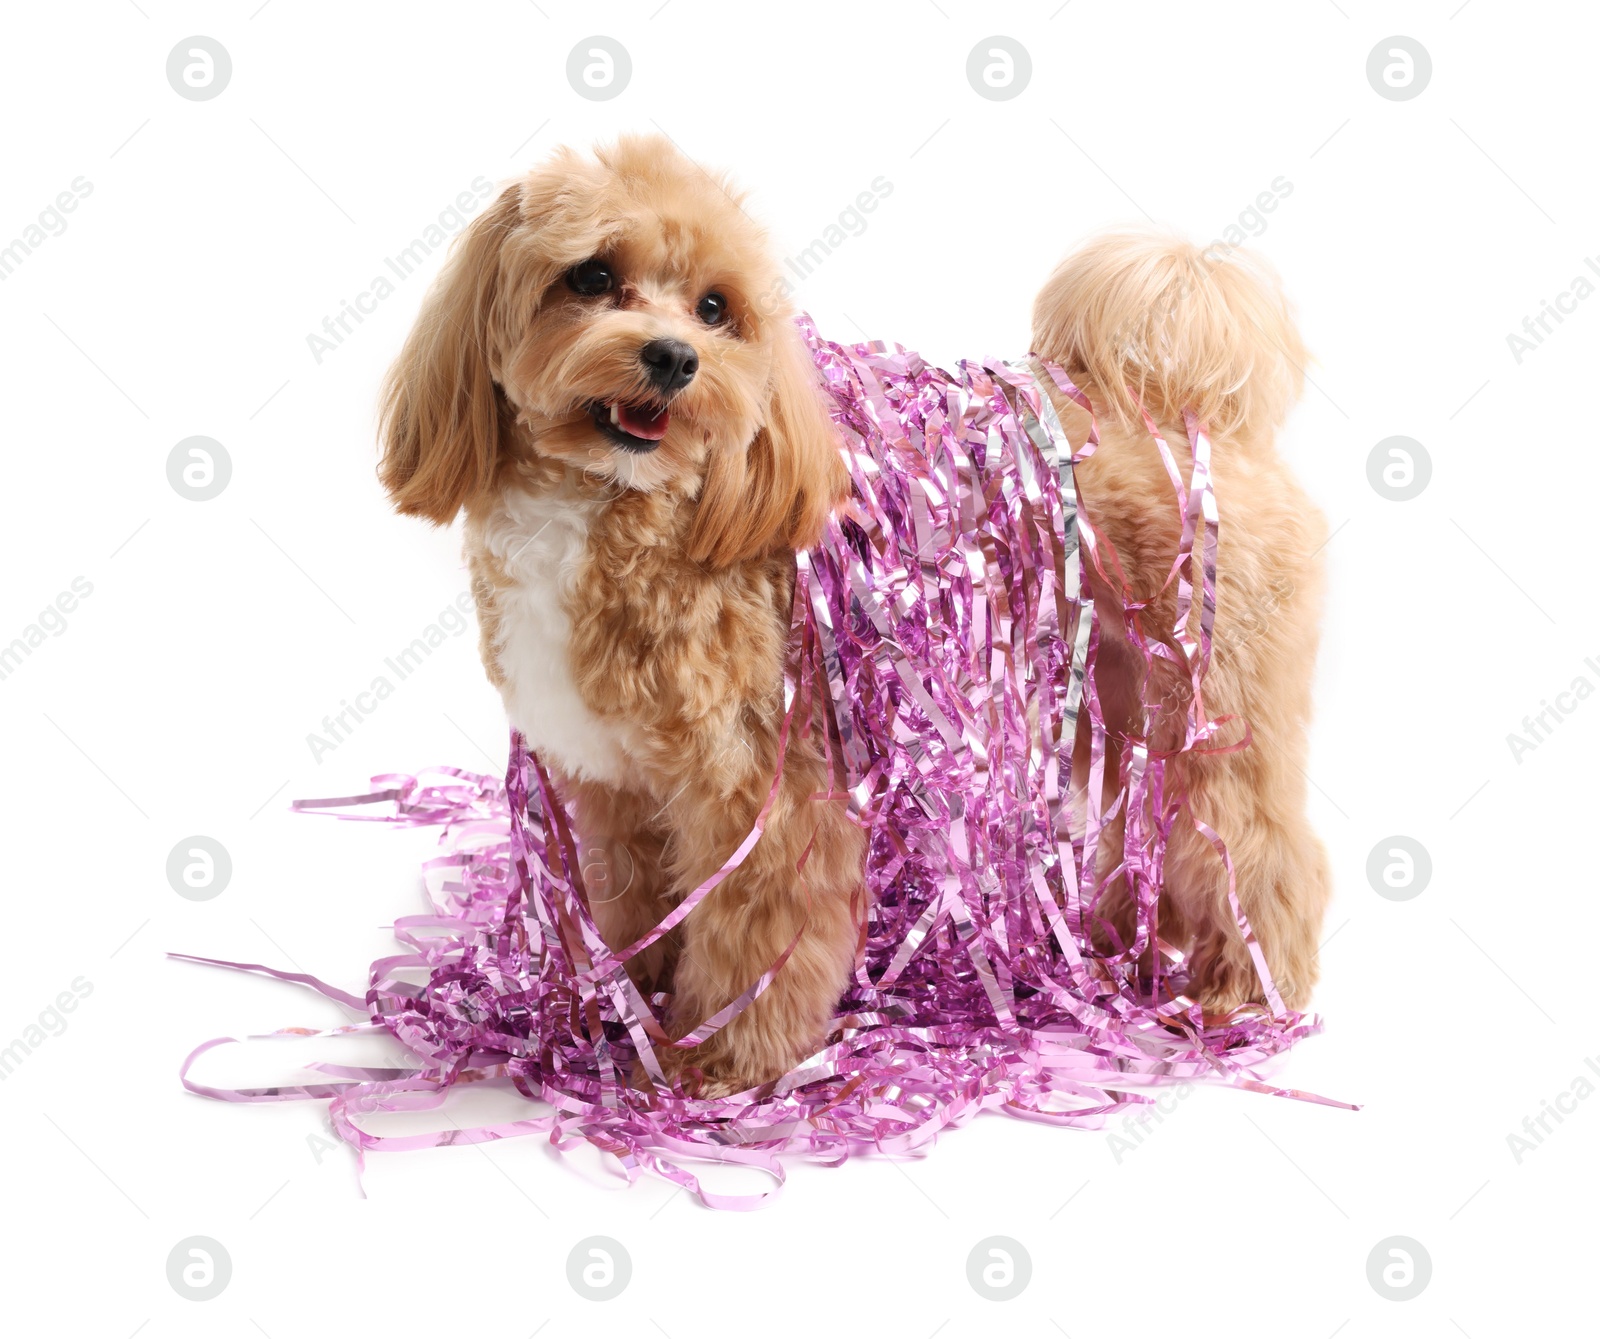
{"x": 634, "y": 427}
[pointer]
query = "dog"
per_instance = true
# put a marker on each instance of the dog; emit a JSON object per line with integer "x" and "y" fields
{"x": 607, "y": 380}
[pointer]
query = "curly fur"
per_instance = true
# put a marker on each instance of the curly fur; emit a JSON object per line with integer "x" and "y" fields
{"x": 634, "y": 604}
{"x": 1151, "y": 321}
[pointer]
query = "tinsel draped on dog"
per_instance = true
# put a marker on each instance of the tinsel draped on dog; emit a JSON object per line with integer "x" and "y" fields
{"x": 888, "y": 743}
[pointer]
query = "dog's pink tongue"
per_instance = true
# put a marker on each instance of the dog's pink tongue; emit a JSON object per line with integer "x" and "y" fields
{"x": 642, "y": 423}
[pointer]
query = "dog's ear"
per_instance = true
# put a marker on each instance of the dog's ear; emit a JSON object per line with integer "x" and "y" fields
{"x": 441, "y": 416}
{"x": 779, "y": 491}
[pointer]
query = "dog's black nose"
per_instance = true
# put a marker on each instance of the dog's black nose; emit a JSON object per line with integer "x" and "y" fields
{"x": 670, "y": 362}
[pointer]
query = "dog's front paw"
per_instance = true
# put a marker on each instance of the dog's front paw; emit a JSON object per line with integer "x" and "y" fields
{"x": 707, "y": 1075}
{"x": 712, "y": 1088}
{"x": 1223, "y": 985}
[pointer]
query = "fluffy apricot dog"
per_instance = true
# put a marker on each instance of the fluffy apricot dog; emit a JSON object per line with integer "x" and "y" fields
{"x": 602, "y": 381}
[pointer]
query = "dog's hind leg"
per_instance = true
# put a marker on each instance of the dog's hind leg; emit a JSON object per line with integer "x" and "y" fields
{"x": 1264, "y": 646}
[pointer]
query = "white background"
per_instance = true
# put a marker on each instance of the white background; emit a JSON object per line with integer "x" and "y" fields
{"x": 178, "y": 699}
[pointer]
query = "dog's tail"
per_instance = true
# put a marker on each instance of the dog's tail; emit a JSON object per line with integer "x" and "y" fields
{"x": 1141, "y": 319}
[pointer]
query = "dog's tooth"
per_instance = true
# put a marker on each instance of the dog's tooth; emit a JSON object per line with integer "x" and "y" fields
{"x": 613, "y": 415}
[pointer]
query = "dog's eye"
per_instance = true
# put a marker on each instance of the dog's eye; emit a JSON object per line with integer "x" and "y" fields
{"x": 591, "y": 278}
{"x": 713, "y": 309}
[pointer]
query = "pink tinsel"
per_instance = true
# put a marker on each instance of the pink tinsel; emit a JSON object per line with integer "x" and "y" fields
{"x": 947, "y": 620}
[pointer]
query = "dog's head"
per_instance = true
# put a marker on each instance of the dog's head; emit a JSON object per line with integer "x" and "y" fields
{"x": 623, "y": 316}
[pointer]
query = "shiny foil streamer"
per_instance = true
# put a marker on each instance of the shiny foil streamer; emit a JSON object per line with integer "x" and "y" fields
{"x": 946, "y": 622}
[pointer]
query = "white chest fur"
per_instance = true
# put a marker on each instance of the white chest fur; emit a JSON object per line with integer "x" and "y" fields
{"x": 541, "y": 543}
